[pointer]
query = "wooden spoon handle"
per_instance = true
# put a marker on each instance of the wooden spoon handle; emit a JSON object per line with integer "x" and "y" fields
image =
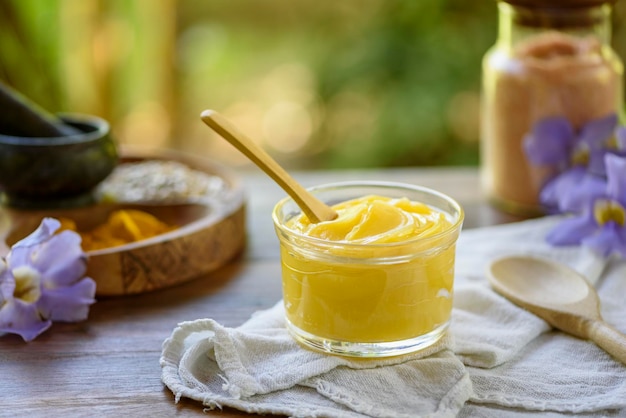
{"x": 608, "y": 338}
{"x": 312, "y": 207}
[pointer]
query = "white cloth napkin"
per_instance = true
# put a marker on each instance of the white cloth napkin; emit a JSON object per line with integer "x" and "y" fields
{"x": 496, "y": 361}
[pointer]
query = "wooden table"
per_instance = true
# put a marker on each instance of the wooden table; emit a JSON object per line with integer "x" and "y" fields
{"x": 109, "y": 364}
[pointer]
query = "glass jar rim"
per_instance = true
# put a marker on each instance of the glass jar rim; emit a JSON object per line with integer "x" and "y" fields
{"x": 455, "y": 225}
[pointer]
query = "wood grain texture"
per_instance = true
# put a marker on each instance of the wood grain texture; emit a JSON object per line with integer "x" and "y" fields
{"x": 108, "y": 366}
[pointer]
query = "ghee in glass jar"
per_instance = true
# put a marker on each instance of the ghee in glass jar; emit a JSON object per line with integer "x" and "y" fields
{"x": 377, "y": 280}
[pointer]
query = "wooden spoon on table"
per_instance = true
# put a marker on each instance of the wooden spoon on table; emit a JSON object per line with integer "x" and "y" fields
{"x": 313, "y": 208}
{"x": 559, "y": 295}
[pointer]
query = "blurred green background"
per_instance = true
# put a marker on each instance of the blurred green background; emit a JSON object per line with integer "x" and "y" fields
{"x": 345, "y": 84}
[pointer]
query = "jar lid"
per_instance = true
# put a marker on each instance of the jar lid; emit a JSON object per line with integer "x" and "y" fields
{"x": 559, "y": 14}
{"x": 561, "y": 4}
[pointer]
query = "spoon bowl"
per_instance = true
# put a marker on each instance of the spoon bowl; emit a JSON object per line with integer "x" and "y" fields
{"x": 543, "y": 283}
{"x": 559, "y": 295}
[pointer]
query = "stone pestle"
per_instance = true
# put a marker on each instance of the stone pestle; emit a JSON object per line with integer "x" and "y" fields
{"x": 21, "y": 117}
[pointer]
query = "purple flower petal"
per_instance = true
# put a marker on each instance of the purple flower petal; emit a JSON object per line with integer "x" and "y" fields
{"x": 572, "y": 190}
{"x": 596, "y": 163}
{"x": 611, "y": 238}
{"x": 21, "y": 251}
{"x": 69, "y": 303}
{"x": 588, "y": 189}
{"x": 550, "y": 141}
{"x": 620, "y": 137}
{"x": 616, "y": 175}
{"x": 7, "y": 283}
{"x": 572, "y": 231}
{"x": 596, "y": 132}
{"x": 18, "y": 317}
{"x": 549, "y": 196}
{"x": 46, "y": 229}
{"x": 60, "y": 260}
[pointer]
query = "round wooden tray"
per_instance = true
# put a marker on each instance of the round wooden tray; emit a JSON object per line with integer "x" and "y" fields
{"x": 210, "y": 233}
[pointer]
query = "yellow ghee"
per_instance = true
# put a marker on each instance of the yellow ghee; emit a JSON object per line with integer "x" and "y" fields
{"x": 384, "y": 273}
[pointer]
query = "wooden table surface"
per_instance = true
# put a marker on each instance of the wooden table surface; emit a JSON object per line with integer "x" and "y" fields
{"x": 109, "y": 364}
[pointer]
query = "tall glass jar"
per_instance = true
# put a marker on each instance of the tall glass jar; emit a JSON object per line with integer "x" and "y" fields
{"x": 552, "y": 59}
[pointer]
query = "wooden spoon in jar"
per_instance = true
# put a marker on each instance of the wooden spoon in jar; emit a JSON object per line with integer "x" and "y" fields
{"x": 313, "y": 208}
{"x": 559, "y": 295}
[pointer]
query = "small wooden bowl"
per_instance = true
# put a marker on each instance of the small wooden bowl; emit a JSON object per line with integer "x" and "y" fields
{"x": 209, "y": 234}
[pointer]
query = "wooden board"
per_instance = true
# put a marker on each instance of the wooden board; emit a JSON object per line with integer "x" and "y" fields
{"x": 211, "y": 232}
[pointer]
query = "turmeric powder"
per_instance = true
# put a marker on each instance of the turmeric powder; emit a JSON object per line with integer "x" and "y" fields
{"x": 122, "y": 227}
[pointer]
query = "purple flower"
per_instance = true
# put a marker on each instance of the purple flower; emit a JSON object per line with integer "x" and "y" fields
{"x": 571, "y": 190}
{"x": 602, "y": 226}
{"x": 578, "y": 156}
{"x": 42, "y": 280}
{"x": 554, "y": 142}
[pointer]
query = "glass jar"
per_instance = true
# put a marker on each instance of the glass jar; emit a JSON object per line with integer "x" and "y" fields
{"x": 369, "y": 298}
{"x": 552, "y": 59}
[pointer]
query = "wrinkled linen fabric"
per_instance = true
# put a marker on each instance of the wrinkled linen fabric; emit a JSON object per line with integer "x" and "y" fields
{"x": 259, "y": 368}
{"x": 497, "y": 360}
